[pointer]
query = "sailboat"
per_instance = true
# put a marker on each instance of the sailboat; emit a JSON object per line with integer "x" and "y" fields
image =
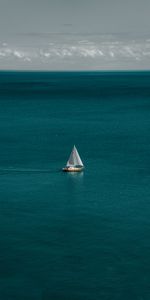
{"x": 74, "y": 163}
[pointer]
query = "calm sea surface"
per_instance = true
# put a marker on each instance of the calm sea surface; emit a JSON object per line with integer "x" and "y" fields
{"x": 75, "y": 236}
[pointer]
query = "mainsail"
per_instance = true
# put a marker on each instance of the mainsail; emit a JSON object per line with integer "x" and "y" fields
{"x": 74, "y": 159}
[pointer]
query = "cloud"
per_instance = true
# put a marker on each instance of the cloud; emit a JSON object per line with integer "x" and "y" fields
{"x": 18, "y": 54}
{"x": 97, "y": 51}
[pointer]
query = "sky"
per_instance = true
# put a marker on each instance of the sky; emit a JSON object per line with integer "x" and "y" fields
{"x": 74, "y": 34}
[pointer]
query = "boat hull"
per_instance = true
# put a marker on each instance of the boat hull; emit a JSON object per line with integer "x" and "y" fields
{"x": 72, "y": 169}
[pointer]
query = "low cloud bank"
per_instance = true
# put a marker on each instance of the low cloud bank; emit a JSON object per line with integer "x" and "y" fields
{"x": 102, "y": 53}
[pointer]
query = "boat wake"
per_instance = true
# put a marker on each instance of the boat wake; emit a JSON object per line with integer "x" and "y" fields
{"x": 23, "y": 170}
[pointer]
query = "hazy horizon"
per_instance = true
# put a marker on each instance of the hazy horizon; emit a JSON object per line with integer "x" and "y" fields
{"x": 66, "y": 35}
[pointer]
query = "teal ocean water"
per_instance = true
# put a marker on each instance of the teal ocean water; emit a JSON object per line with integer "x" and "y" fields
{"x": 75, "y": 236}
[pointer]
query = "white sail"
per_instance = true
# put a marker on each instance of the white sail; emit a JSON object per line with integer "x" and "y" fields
{"x": 74, "y": 159}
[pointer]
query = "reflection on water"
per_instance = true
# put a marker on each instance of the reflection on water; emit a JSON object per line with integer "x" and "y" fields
{"x": 75, "y": 177}
{"x": 74, "y": 182}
